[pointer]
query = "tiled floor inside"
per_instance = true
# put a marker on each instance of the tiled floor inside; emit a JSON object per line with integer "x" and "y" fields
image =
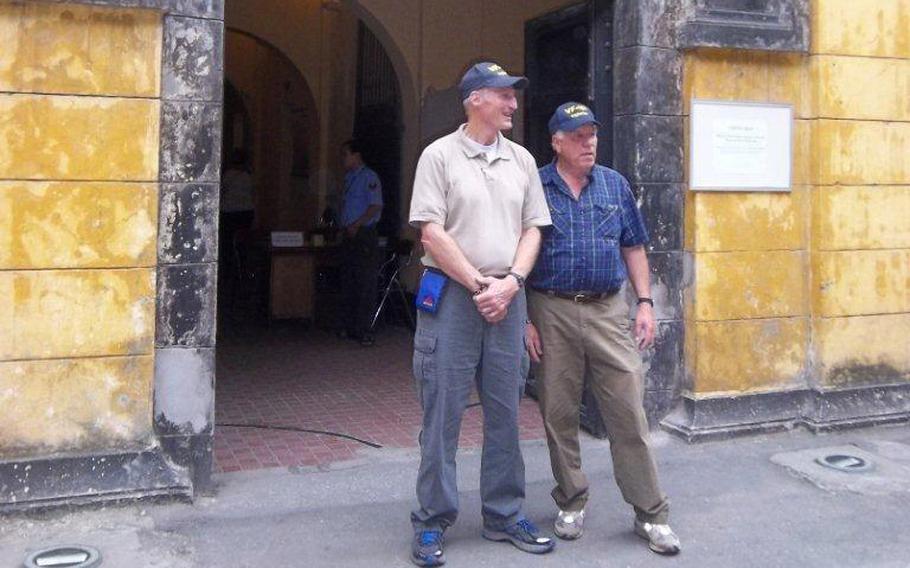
{"x": 287, "y": 376}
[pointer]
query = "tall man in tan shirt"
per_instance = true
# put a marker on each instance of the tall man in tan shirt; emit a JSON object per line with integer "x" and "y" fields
{"x": 478, "y": 204}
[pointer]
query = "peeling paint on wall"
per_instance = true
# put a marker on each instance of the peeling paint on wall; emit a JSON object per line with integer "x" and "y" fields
{"x": 76, "y": 49}
{"x": 74, "y": 404}
{"x": 79, "y": 143}
{"x": 77, "y": 225}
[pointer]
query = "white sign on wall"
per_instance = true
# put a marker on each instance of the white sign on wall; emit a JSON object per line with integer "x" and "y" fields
{"x": 735, "y": 146}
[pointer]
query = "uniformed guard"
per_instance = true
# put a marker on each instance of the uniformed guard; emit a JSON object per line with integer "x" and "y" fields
{"x": 361, "y": 208}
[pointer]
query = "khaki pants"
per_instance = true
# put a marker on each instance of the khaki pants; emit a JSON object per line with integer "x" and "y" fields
{"x": 594, "y": 338}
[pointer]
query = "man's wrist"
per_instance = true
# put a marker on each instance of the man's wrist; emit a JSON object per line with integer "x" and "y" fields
{"x": 645, "y": 300}
{"x": 519, "y": 279}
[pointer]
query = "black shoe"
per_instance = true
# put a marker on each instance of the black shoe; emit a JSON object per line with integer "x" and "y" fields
{"x": 426, "y": 549}
{"x": 524, "y": 535}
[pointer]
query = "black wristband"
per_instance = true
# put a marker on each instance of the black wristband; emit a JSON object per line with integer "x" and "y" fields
{"x": 646, "y": 301}
{"x": 518, "y": 278}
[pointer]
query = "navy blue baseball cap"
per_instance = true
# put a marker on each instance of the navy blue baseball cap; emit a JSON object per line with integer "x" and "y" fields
{"x": 569, "y": 116}
{"x": 488, "y": 74}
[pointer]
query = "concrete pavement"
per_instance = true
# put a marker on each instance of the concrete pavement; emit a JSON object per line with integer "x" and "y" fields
{"x": 731, "y": 505}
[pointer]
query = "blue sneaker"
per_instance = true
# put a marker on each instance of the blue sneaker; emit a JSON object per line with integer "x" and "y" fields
{"x": 524, "y": 535}
{"x": 426, "y": 550}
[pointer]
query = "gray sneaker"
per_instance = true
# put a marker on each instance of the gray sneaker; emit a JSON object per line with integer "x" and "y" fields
{"x": 661, "y": 538}
{"x": 569, "y": 524}
{"x": 523, "y": 535}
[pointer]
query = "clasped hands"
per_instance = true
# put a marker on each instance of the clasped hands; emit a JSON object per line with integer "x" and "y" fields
{"x": 494, "y": 296}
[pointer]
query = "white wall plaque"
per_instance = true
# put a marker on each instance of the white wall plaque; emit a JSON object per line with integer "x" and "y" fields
{"x": 281, "y": 239}
{"x": 736, "y": 146}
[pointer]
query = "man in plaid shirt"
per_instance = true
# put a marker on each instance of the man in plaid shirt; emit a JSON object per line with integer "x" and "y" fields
{"x": 579, "y": 324}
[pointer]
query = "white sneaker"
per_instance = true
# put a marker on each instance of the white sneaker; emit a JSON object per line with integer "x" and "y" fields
{"x": 661, "y": 538}
{"x": 569, "y": 524}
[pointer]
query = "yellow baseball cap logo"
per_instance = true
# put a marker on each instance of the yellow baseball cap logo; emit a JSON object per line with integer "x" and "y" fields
{"x": 574, "y": 111}
{"x": 496, "y": 69}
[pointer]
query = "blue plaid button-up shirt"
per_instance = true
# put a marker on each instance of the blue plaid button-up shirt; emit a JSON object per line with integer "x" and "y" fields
{"x": 580, "y": 250}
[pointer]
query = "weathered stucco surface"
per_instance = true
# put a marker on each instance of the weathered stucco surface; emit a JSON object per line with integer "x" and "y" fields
{"x": 812, "y": 287}
{"x": 876, "y": 28}
{"x": 861, "y": 217}
{"x": 754, "y": 355}
{"x": 78, "y": 138}
{"x": 79, "y": 149}
{"x": 74, "y": 404}
{"x": 77, "y": 224}
{"x": 49, "y": 314}
{"x": 79, "y": 50}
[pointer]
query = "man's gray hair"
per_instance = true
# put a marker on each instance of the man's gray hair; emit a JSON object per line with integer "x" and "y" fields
{"x": 467, "y": 100}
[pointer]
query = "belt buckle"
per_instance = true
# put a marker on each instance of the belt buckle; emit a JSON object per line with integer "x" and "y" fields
{"x": 579, "y": 298}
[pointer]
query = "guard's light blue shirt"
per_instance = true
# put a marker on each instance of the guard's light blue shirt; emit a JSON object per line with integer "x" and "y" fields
{"x": 580, "y": 252}
{"x": 362, "y": 188}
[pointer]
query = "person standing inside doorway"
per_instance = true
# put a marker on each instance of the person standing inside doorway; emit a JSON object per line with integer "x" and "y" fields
{"x": 360, "y": 211}
{"x": 579, "y": 324}
{"x": 237, "y": 213}
{"x": 478, "y": 203}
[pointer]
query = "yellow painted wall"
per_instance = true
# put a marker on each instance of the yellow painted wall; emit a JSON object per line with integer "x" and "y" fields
{"x": 78, "y": 226}
{"x": 810, "y": 287}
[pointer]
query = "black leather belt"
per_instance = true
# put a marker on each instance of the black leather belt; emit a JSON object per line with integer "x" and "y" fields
{"x": 578, "y": 297}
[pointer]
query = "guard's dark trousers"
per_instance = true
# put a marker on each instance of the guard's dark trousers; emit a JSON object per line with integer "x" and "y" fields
{"x": 359, "y": 280}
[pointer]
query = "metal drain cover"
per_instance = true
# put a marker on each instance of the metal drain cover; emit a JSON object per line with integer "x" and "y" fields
{"x": 74, "y": 556}
{"x": 845, "y": 462}
{"x": 847, "y": 468}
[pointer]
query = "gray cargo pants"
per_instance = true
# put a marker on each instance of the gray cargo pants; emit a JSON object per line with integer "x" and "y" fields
{"x": 454, "y": 350}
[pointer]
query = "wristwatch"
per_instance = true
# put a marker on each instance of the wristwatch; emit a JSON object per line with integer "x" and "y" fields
{"x": 518, "y": 278}
{"x": 646, "y": 301}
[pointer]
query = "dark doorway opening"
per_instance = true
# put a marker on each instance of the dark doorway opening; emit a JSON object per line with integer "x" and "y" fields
{"x": 569, "y": 57}
{"x": 289, "y": 392}
{"x": 378, "y": 124}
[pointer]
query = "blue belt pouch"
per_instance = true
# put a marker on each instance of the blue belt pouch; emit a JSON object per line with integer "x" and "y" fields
{"x": 432, "y": 285}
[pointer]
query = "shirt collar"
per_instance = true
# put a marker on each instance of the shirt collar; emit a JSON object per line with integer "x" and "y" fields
{"x": 472, "y": 151}
{"x": 549, "y": 175}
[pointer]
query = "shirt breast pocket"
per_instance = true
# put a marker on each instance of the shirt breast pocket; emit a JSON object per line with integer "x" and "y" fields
{"x": 561, "y": 220}
{"x": 609, "y": 222}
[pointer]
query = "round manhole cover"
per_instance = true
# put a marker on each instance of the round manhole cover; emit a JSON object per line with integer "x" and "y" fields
{"x": 75, "y": 556}
{"x": 845, "y": 462}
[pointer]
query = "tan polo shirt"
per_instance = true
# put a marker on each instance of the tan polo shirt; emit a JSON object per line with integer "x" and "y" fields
{"x": 484, "y": 206}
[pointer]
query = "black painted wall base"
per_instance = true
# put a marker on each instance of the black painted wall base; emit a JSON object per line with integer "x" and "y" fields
{"x": 90, "y": 479}
{"x": 194, "y": 454}
{"x": 697, "y": 420}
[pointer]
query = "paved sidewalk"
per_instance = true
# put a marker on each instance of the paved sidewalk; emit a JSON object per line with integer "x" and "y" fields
{"x": 731, "y": 505}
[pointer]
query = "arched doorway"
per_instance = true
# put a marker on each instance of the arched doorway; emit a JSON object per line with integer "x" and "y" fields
{"x": 270, "y": 129}
{"x": 289, "y": 393}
